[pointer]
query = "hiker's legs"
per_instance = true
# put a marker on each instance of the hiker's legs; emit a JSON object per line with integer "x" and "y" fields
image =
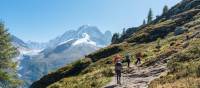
{"x": 139, "y": 61}
{"x": 128, "y": 64}
{"x": 118, "y": 77}
{"x": 136, "y": 62}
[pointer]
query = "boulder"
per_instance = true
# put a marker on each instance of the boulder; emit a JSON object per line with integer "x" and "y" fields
{"x": 179, "y": 30}
{"x": 185, "y": 45}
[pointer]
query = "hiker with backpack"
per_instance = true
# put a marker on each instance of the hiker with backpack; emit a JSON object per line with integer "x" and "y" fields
{"x": 128, "y": 59}
{"x": 138, "y": 58}
{"x": 118, "y": 67}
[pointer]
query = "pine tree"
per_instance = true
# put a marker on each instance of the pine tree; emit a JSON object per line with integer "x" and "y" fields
{"x": 150, "y": 16}
{"x": 115, "y": 38}
{"x": 123, "y": 35}
{"x": 165, "y": 9}
{"x": 8, "y": 75}
{"x": 124, "y": 31}
{"x": 144, "y": 22}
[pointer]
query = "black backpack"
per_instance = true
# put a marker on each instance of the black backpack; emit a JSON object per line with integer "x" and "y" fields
{"x": 127, "y": 58}
{"x": 118, "y": 66}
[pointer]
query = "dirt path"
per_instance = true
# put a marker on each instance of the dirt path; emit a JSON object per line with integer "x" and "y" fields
{"x": 138, "y": 77}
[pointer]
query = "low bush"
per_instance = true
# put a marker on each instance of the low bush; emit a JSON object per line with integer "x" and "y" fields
{"x": 106, "y": 52}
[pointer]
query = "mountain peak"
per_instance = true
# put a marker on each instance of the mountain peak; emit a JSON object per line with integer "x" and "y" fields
{"x": 87, "y": 28}
{"x": 85, "y": 40}
{"x": 84, "y": 26}
{"x": 100, "y": 38}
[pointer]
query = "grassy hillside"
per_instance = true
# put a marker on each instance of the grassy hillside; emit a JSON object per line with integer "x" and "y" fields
{"x": 159, "y": 43}
{"x": 184, "y": 68}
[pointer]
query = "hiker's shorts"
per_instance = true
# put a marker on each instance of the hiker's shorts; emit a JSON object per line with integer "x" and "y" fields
{"x": 118, "y": 72}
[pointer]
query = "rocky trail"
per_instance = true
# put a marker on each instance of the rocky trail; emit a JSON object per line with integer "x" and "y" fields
{"x": 138, "y": 77}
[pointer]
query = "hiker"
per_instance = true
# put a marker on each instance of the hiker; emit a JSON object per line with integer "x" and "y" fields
{"x": 128, "y": 59}
{"x": 138, "y": 58}
{"x": 187, "y": 37}
{"x": 118, "y": 67}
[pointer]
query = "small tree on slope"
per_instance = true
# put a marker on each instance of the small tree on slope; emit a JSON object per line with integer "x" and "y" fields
{"x": 150, "y": 16}
{"x": 115, "y": 38}
{"x": 165, "y": 9}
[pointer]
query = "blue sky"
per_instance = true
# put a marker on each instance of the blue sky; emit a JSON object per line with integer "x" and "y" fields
{"x": 42, "y": 20}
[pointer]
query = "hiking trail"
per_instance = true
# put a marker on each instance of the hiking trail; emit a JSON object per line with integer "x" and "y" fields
{"x": 137, "y": 77}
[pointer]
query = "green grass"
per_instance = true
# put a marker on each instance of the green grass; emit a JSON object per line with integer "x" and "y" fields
{"x": 94, "y": 79}
{"x": 184, "y": 68}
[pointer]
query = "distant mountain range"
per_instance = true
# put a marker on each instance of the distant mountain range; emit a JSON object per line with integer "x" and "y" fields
{"x": 37, "y": 59}
{"x": 101, "y": 39}
{"x": 18, "y": 43}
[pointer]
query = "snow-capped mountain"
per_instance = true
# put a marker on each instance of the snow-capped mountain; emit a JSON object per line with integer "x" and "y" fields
{"x": 101, "y": 39}
{"x": 84, "y": 40}
{"x": 18, "y": 43}
{"x": 22, "y": 47}
{"x": 37, "y": 59}
{"x": 36, "y": 45}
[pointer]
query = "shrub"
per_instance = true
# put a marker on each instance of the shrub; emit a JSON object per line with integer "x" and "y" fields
{"x": 158, "y": 46}
{"x": 103, "y": 53}
{"x": 174, "y": 66}
{"x": 108, "y": 72}
{"x": 198, "y": 71}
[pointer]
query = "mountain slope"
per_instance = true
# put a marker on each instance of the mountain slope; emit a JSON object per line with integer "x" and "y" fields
{"x": 178, "y": 52}
{"x": 36, "y": 45}
{"x": 67, "y": 52}
{"x": 18, "y": 43}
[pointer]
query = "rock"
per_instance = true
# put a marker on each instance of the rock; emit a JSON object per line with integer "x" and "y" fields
{"x": 197, "y": 35}
{"x": 193, "y": 3}
{"x": 179, "y": 30}
{"x": 185, "y": 45}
